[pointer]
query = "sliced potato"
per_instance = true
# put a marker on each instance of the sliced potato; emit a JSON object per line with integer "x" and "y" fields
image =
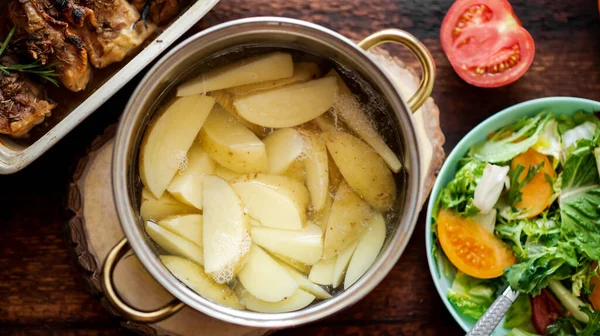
{"x": 363, "y": 169}
{"x": 231, "y": 144}
{"x": 185, "y": 226}
{"x": 330, "y": 123}
{"x": 322, "y": 272}
{"x": 317, "y": 170}
{"x": 303, "y": 71}
{"x": 246, "y": 71}
{"x": 306, "y": 284}
{"x": 303, "y": 268}
{"x": 367, "y": 250}
{"x": 274, "y": 201}
{"x": 283, "y": 147}
{"x": 296, "y": 171}
{"x": 193, "y": 276}
{"x": 347, "y": 107}
{"x": 290, "y": 105}
{"x": 225, "y": 229}
{"x": 298, "y": 300}
{"x": 335, "y": 176}
{"x": 264, "y": 278}
{"x": 347, "y": 220}
{"x": 305, "y": 246}
{"x": 186, "y": 186}
{"x": 167, "y": 140}
{"x": 166, "y": 206}
{"x": 225, "y": 99}
{"x": 173, "y": 244}
{"x": 147, "y": 194}
{"x": 341, "y": 264}
{"x": 226, "y": 174}
{"x": 321, "y": 217}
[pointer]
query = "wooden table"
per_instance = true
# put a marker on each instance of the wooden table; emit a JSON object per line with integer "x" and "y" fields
{"x": 41, "y": 290}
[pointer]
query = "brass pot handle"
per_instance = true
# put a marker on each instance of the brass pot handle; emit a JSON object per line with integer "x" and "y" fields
{"x": 116, "y": 253}
{"x": 417, "y": 48}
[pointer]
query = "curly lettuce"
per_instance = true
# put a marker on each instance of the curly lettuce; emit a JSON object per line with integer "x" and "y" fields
{"x": 471, "y": 296}
{"x": 458, "y": 195}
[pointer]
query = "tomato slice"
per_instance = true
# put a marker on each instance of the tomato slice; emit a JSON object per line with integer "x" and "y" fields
{"x": 536, "y": 194}
{"x": 545, "y": 309}
{"x": 472, "y": 249}
{"x": 595, "y": 296}
{"x": 485, "y": 42}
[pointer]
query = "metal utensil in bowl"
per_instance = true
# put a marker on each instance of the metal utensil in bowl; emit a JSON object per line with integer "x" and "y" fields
{"x": 245, "y": 36}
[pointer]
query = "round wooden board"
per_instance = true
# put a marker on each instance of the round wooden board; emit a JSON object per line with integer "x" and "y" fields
{"x": 95, "y": 228}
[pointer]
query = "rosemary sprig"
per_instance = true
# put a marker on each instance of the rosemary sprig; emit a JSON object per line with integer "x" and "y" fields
{"x": 35, "y": 68}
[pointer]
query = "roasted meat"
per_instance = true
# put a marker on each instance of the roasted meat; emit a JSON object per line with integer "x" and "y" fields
{"x": 22, "y": 103}
{"x": 67, "y": 52}
{"x": 111, "y": 32}
{"x": 159, "y": 11}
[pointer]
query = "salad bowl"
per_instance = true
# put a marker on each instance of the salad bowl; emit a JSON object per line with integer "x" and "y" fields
{"x": 443, "y": 273}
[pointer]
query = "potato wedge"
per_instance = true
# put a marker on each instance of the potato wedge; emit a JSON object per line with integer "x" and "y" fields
{"x": 322, "y": 272}
{"x": 226, "y": 174}
{"x": 303, "y": 71}
{"x": 321, "y": 217}
{"x": 173, "y": 244}
{"x": 347, "y": 220}
{"x": 185, "y": 226}
{"x": 305, "y": 246}
{"x": 296, "y": 171}
{"x": 225, "y": 229}
{"x": 264, "y": 278}
{"x": 167, "y": 141}
{"x": 166, "y": 206}
{"x": 193, "y": 276}
{"x": 298, "y": 300}
{"x": 347, "y": 107}
{"x": 225, "y": 99}
{"x": 288, "y": 106}
{"x": 341, "y": 264}
{"x": 306, "y": 284}
{"x": 186, "y": 186}
{"x": 231, "y": 144}
{"x": 275, "y": 201}
{"x": 317, "y": 169}
{"x": 302, "y": 268}
{"x": 283, "y": 147}
{"x": 367, "y": 250}
{"x": 363, "y": 169}
{"x": 330, "y": 123}
{"x": 246, "y": 71}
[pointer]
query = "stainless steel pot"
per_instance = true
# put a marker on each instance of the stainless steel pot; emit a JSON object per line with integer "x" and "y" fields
{"x": 257, "y": 32}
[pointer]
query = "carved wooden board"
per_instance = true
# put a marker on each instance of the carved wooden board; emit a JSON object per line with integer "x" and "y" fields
{"x": 95, "y": 228}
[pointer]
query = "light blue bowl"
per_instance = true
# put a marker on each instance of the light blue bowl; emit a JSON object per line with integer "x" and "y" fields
{"x": 560, "y": 106}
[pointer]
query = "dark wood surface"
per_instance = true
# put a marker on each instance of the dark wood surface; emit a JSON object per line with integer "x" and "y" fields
{"x": 41, "y": 287}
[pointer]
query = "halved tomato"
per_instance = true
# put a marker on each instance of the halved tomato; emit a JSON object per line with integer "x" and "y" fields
{"x": 472, "y": 249}
{"x": 595, "y": 296}
{"x": 485, "y": 42}
{"x": 545, "y": 309}
{"x": 536, "y": 194}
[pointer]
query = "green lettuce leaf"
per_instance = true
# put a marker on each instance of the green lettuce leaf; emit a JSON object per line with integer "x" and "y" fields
{"x": 519, "y": 313}
{"x": 512, "y": 140}
{"x": 569, "y": 326}
{"x": 459, "y": 193}
{"x": 592, "y": 328}
{"x": 471, "y": 296}
{"x": 520, "y": 332}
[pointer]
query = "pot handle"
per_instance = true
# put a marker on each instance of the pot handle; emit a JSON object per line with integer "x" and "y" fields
{"x": 130, "y": 313}
{"x": 417, "y": 48}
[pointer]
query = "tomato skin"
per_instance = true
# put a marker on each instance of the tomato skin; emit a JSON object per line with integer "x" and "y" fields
{"x": 472, "y": 249}
{"x": 595, "y": 296}
{"x": 545, "y": 310}
{"x": 537, "y": 192}
{"x": 485, "y": 42}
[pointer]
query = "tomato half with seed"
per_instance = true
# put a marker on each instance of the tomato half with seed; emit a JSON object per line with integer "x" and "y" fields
{"x": 536, "y": 194}
{"x": 472, "y": 249}
{"x": 485, "y": 42}
{"x": 545, "y": 309}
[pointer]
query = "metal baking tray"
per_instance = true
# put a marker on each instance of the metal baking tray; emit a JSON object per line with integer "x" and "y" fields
{"x": 16, "y": 155}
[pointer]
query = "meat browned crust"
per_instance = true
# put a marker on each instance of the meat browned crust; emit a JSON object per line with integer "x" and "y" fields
{"x": 22, "y": 103}
{"x": 159, "y": 11}
{"x": 64, "y": 48}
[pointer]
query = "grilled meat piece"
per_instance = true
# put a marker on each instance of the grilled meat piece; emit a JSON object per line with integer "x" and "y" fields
{"x": 67, "y": 50}
{"x": 22, "y": 103}
{"x": 159, "y": 11}
{"x": 111, "y": 32}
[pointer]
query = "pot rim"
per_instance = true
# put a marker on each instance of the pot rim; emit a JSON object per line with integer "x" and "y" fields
{"x": 387, "y": 258}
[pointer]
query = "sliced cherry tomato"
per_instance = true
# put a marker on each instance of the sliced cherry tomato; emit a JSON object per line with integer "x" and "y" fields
{"x": 595, "y": 296}
{"x": 544, "y": 311}
{"x": 485, "y": 42}
{"x": 536, "y": 194}
{"x": 472, "y": 249}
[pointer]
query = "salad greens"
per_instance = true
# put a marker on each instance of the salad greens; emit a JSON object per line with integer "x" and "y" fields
{"x": 554, "y": 249}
